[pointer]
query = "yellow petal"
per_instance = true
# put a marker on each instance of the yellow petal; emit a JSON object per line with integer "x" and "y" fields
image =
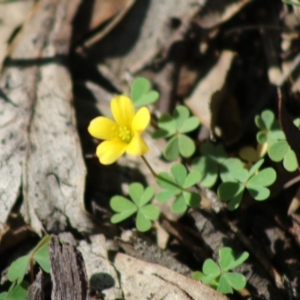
{"x": 102, "y": 128}
{"x": 123, "y": 110}
{"x": 137, "y": 146}
{"x": 141, "y": 119}
{"x": 109, "y": 151}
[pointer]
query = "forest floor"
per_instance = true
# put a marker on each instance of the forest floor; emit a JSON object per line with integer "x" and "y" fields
{"x": 62, "y": 62}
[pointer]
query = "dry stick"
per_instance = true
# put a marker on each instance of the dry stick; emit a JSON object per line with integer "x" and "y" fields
{"x": 100, "y": 35}
{"x": 258, "y": 255}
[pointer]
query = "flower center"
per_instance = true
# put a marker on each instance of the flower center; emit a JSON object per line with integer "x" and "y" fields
{"x": 125, "y": 134}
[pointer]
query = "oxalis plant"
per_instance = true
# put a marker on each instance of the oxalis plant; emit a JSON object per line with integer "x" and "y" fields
{"x": 17, "y": 270}
{"x": 219, "y": 275}
{"x": 122, "y": 134}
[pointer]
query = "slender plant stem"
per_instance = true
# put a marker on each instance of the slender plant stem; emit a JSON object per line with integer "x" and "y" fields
{"x": 149, "y": 167}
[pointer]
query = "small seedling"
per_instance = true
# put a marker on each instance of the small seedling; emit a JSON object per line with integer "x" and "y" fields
{"x": 277, "y": 145}
{"x": 141, "y": 94}
{"x": 17, "y": 270}
{"x": 255, "y": 181}
{"x": 219, "y": 275}
{"x": 209, "y": 163}
{"x": 175, "y": 127}
{"x": 140, "y": 198}
{"x": 179, "y": 185}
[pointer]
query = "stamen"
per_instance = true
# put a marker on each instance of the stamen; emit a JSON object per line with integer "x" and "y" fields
{"x": 125, "y": 134}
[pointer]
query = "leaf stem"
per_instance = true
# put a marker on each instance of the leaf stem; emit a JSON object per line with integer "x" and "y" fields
{"x": 149, "y": 167}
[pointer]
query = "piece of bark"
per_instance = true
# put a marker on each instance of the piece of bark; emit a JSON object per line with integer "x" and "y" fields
{"x": 103, "y": 277}
{"x": 40, "y": 157}
{"x": 36, "y": 289}
{"x": 142, "y": 280}
{"x": 68, "y": 274}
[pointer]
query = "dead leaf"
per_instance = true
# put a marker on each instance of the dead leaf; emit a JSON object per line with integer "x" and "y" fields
{"x": 40, "y": 156}
{"x": 142, "y": 280}
{"x": 210, "y": 100}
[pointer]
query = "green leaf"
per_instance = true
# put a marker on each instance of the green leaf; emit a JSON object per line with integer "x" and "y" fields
{"x": 19, "y": 292}
{"x": 259, "y": 122}
{"x": 197, "y": 275}
{"x": 192, "y": 199}
{"x": 159, "y": 133}
{"x": 41, "y": 256}
{"x": 186, "y": 145}
{"x": 234, "y": 203}
{"x": 228, "y": 190}
{"x": 181, "y": 114}
{"x": 235, "y": 280}
{"x": 208, "y": 170}
{"x": 18, "y": 268}
{"x": 167, "y": 123}
{"x": 147, "y": 195}
{"x": 255, "y": 168}
{"x": 278, "y": 150}
{"x": 142, "y": 223}
{"x": 258, "y": 192}
{"x": 147, "y": 99}
{"x": 224, "y": 286}
{"x": 226, "y": 258}
{"x": 135, "y": 191}
{"x": 265, "y": 177}
{"x": 119, "y": 217}
{"x": 171, "y": 151}
{"x": 231, "y": 168}
{"x": 165, "y": 181}
{"x": 139, "y": 87}
{"x": 150, "y": 212}
{"x": 166, "y": 195}
{"x": 211, "y": 268}
{"x": 290, "y": 162}
{"x": 121, "y": 204}
{"x": 268, "y": 118}
{"x": 3, "y": 295}
{"x": 191, "y": 179}
{"x": 179, "y": 205}
{"x": 261, "y": 137}
{"x": 179, "y": 173}
{"x": 189, "y": 125}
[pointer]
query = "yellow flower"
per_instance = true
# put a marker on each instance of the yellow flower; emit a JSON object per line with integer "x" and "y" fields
{"x": 123, "y": 134}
